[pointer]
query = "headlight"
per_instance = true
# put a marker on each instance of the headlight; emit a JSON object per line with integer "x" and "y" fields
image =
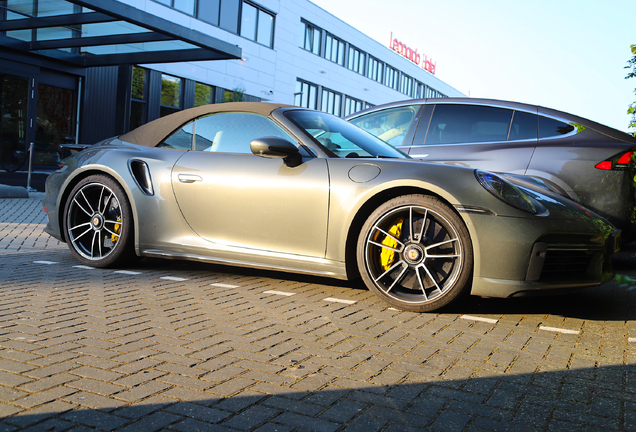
{"x": 506, "y": 191}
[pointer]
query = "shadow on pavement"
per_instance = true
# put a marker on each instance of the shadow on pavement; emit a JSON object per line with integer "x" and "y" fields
{"x": 601, "y": 398}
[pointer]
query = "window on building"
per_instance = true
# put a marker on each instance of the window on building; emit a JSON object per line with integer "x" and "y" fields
{"x": 249, "y": 20}
{"x": 420, "y": 90}
{"x": 306, "y": 95}
{"x": 221, "y": 13}
{"x": 334, "y": 49}
{"x": 356, "y": 60}
{"x": 406, "y": 85}
{"x": 331, "y": 102}
{"x": 170, "y": 94}
{"x": 265, "y": 29}
{"x": 203, "y": 94}
{"x": 235, "y": 95}
{"x": 312, "y": 38}
{"x": 210, "y": 13}
{"x": 257, "y": 24}
{"x": 229, "y": 15}
{"x": 138, "y": 106}
{"x": 391, "y": 77}
{"x": 374, "y": 71}
{"x": 185, "y": 6}
{"x": 352, "y": 105}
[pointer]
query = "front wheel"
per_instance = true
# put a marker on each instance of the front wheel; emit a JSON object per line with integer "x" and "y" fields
{"x": 98, "y": 223}
{"x": 415, "y": 253}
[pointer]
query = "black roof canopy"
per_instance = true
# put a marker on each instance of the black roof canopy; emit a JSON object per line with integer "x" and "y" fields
{"x": 89, "y": 33}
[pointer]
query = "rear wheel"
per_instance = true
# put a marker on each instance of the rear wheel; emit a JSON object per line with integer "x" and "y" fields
{"x": 415, "y": 253}
{"x": 98, "y": 223}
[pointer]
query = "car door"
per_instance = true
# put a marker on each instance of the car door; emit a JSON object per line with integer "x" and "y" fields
{"x": 476, "y": 136}
{"x": 232, "y": 197}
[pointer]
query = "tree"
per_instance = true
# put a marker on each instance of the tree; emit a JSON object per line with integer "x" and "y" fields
{"x": 631, "y": 64}
{"x": 237, "y": 94}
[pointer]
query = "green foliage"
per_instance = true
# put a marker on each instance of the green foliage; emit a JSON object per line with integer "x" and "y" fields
{"x": 631, "y": 64}
{"x": 202, "y": 94}
{"x": 236, "y": 95}
{"x": 138, "y": 83}
{"x": 625, "y": 282}
{"x": 170, "y": 93}
{"x": 579, "y": 127}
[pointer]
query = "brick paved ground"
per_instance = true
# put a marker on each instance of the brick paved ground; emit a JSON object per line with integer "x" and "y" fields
{"x": 178, "y": 346}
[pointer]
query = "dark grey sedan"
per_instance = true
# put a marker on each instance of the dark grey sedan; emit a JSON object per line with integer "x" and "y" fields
{"x": 585, "y": 161}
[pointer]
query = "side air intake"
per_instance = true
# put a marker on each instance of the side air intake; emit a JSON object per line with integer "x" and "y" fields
{"x": 142, "y": 176}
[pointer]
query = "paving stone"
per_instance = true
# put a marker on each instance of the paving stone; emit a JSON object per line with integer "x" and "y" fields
{"x": 366, "y": 424}
{"x": 344, "y": 410}
{"x": 93, "y": 386}
{"x": 223, "y": 374}
{"x": 94, "y": 401}
{"x": 142, "y": 391}
{"x": 145, "y": 407}
{"x": 7, "y": 410}
{"x": 12, "y": 379}
{"x": 137, "y": 378}
{"x": 208, "y": 415}
{"x": 44, "y": 397}
{"x": 95, "y": 418}
{"x": 50, "y": 425}
{"x": 39, "y": 414}
{"x": 192, "y": 425}
{"x": 307, "y": 423}
{"x": 183, "y": 381}
{"x": 149, "y": 354}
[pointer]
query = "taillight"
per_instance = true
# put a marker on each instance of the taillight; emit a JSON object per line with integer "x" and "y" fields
{"x": 627, "y": 159}
{"x": 605, "y": 165}
{"x": 624, "y": 161}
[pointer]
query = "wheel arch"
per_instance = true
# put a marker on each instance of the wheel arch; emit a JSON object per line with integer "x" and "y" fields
{"x": 72, "y": 182}
{"x": 365, "y": 211}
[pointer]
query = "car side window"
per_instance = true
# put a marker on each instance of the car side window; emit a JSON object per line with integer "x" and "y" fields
{"x": 468, "y": 123}
{"x": 524, "y": 126}
{"x": 390, "y": 125}
{"x": 233, "y": 132}
{"x": 181, "y": 139}
{"x": 550, "y": 127}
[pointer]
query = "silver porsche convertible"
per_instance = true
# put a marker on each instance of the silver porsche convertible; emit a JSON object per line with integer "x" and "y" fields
{"x": 286, "y": 188}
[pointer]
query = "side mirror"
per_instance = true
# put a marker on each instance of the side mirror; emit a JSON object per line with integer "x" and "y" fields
{"x": 275, "y": 147}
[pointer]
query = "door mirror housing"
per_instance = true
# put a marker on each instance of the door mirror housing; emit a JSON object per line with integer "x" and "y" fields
{"x": 275, "y": 147}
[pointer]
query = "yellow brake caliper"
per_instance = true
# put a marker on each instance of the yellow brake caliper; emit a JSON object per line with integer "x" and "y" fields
{"x": 387, "y": 256}
{"x": 117, "y": 228}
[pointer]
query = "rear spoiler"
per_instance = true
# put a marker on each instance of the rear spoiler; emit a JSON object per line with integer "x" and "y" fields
{"x": 67, "y": 150}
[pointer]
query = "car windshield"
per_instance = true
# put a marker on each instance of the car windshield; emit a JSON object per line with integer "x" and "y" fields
{"x": 340, "y": 137}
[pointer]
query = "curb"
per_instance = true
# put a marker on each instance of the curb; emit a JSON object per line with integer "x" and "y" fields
{"x": 13, "y": 192}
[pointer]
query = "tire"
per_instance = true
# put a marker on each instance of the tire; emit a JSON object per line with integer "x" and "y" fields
{"x": 98, "y": 223}
{"x": 415, "y": 253}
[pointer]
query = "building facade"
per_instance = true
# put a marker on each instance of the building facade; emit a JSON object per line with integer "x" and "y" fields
{"x": 85, "y": 70}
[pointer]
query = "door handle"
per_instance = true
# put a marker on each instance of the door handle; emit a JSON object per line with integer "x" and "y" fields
{"x": 189, "y": 178}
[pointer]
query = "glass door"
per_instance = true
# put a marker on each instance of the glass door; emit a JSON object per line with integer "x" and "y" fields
{"x": 14, "y": 98}
{"x": 55, "y": 123}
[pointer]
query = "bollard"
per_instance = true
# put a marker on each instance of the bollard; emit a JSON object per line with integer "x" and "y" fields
{"x": 29, "y": 188}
